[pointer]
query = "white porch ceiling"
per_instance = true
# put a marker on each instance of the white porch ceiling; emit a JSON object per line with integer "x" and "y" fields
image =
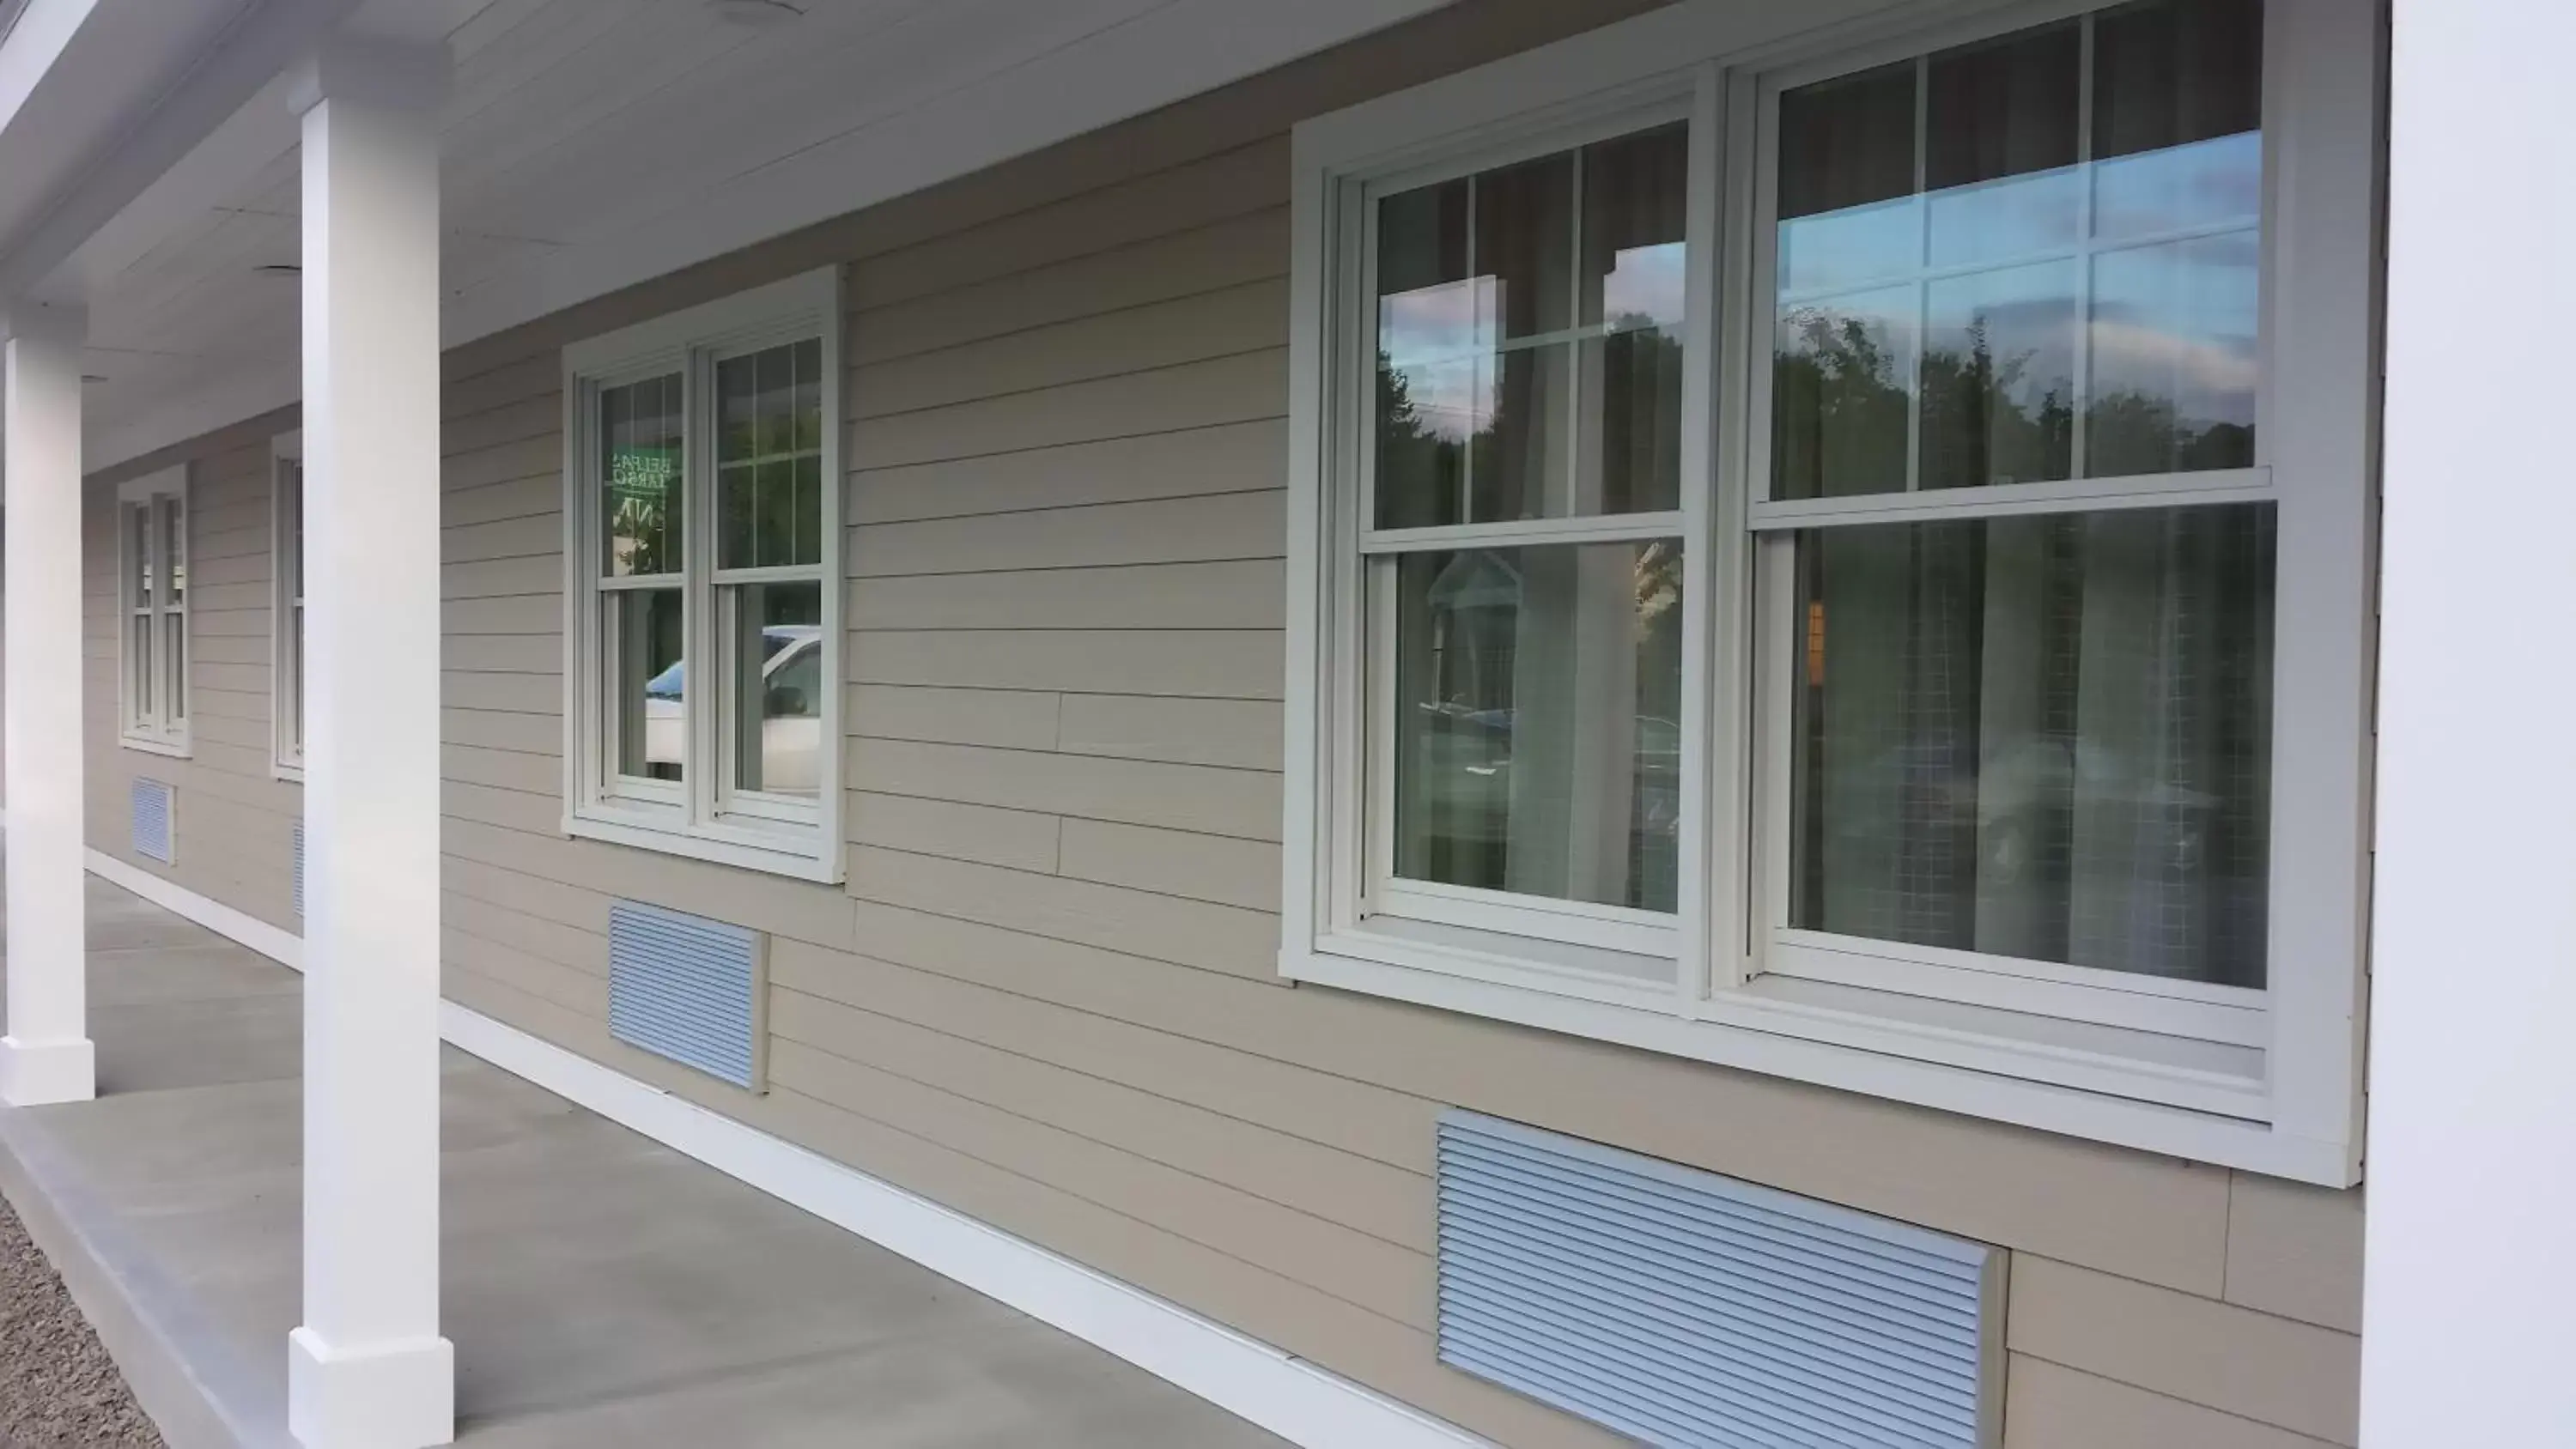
{"x": 594, "y": 143}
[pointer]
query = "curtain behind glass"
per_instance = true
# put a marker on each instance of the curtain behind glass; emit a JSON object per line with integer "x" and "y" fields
{"x": 2040, "y": 737}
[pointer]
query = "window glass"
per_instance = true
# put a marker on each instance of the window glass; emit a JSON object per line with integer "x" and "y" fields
{"x": 776, "y": 644}
{"x": 1967, "y": 298}
{"x": 174, "y": 549}
{"x": 769, "y": 460}
{"x": 647, "y": 682}
{"x": 138, "y": 552}
{"x": 1538, "y": 700}
{"x": 2043, "y": 737}
{"x": 1529, "y": 338}
{"x": 640, "y": 472}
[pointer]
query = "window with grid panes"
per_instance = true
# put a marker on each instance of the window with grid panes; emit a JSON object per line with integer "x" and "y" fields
{"x": 707, "y": 544}
{"x": 1803, "y": 556}
{"x": 152, "y": 589}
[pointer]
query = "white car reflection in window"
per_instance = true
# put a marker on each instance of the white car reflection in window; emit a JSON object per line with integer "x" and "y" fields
{"x": 791, "y": 731}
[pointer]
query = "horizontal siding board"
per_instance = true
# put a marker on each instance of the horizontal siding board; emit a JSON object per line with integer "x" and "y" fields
{"x": 1244, "y": 457}
{"x": 1212, "y": 938}
{"x": 1018, "y": 839}
{"x": 1185, "y": 663}
{"x": 1206, "y": 258}
{"x": 2048, "y": 1406}
{"x": 1355, "y": 1117}
{"x": 2151, "y": 1218}
{"x": 813, "y": 913}
{"x": 1368, "y": 1272}
{"x": 1158, "y": 334}
{"x": 2276, "y": 1371}
{"x": 1218, "y": 526}
{"x": 2295, "y": 1250}
{"x": 1174, "y": 862}
{"x": 1197, "y": 394}
{"x": 1319, "y": 1181}
{"x": 1251, "y": 178}
{"x": 1013, "y": 719}
{"x": 1241, "y": 803}
{"x": 1235, "y": 733}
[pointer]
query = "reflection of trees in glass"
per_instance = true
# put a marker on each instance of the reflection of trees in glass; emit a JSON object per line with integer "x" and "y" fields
{"x": 1418, "y": 470}
{"x": 2133, "y": 432}
{"x": 1840, "y": 403}
{"x": 1976, "y": 429}
{"x": 1838, "y": 407}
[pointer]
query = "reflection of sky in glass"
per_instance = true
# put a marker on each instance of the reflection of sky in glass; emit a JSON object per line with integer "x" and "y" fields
{"x": 1440, "y": 340}
{"x": 2173, "y": 265}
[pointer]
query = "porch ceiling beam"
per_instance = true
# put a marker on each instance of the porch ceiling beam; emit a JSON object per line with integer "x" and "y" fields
{"x": 247, "y": 56}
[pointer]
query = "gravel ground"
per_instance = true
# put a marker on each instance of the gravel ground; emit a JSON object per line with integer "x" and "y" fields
{"x": 57, "y": 1385}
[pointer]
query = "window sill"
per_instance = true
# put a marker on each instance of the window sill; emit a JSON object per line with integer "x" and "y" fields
{"x": 771, "y": 853}
{"x": 280, "y": 770}
{"x": 2196, "y": 1100}
{"x": 176, "y": 750}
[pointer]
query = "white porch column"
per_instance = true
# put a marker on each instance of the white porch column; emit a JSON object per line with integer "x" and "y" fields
{"x": 2471, "y": 1257}
{"x": 368, "y": 1367}
{"x": 46, "y": 1056}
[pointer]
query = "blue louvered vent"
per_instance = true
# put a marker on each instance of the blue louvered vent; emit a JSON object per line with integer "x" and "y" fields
{"x": 1683, "y": 1308}
{"x": 687, "y": 988}
{"x": 299, "y": 869}
{"x": 152, "y": 829}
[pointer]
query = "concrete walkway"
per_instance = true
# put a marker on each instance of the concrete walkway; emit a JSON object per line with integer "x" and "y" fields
{"x": 601, "y": 1289}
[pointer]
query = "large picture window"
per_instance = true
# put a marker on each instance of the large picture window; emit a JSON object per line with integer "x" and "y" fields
{"x": 152, "y": 598}
{"x": 703, "y": 476}
{"x": 1819, "y": 562}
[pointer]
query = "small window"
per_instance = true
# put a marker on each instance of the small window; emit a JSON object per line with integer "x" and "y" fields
{"x": 286, "y": 484}
{"x": 152, "y": 588}
{"x": 703, "y": 482}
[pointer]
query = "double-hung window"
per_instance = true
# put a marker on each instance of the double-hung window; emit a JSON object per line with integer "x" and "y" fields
{"x": 1851, "y": 559}
{"x": 702, "y": 481}
{"x": 152, "y": 611}
{"x": 286, "y": 603}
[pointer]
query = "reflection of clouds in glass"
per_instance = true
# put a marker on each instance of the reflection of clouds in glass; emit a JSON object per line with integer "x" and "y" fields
{"x": 2017, "y": 216}
{"x": 2218, "y": 374}
{"x": 2205, "y": 183}
{"x": 1645, "y": 282}
{"x": 1855, "y": 244}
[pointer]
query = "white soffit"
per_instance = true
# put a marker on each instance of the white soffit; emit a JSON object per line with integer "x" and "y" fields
{"x": 595, "y": 144}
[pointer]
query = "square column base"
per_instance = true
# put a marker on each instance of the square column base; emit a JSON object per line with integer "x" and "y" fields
{"x": 388, "y": 1396}
{"x": 33, "y": 1073}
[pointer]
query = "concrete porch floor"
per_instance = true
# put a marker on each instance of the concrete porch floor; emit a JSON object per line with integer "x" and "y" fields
{"x": 600, "y": 1288}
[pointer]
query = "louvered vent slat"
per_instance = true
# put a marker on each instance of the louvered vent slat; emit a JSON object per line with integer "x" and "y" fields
{"x": 1688, "y": 1309}
{"x": 299, "y": 870}
{"x": 687, "y": 988}
{"x": 152, "y": 833}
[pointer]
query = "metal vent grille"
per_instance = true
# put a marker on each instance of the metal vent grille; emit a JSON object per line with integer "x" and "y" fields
{"x": 151, "y": 826}
{"x": 299, "y": 870}
{"x": 688, "y": 988}
{"x": 1687, "y": 1309}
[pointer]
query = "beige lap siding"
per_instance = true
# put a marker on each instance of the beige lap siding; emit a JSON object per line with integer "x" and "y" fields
{"x": 234, "y": 819}
{"x": 1047, "y": 995}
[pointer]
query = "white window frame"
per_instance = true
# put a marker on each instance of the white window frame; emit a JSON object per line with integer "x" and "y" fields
{"x": 286, "y": 605}
{"x": 2265, "y": 1080}
{"x": 698, "y": 816}
{"x": 156, "y": 729}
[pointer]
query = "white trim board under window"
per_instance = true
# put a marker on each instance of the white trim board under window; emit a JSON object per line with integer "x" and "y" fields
{"x": 1675, "y": 903}
{"x": 152, "y": 548}
{"x": 702, "y": 483}
{"x": 286, "y": 603}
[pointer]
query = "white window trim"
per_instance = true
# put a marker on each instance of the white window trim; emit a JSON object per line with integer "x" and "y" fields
{"x": 154, "y": 734}
{"x": 689, "y": 821}
{"x": 286, "y": 547}
{"x": 2267, "y": 1081}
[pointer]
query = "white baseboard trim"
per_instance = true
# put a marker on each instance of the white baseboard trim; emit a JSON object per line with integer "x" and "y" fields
{"x": 284, "y": 947}
{"x": 1284, "y": 1394}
